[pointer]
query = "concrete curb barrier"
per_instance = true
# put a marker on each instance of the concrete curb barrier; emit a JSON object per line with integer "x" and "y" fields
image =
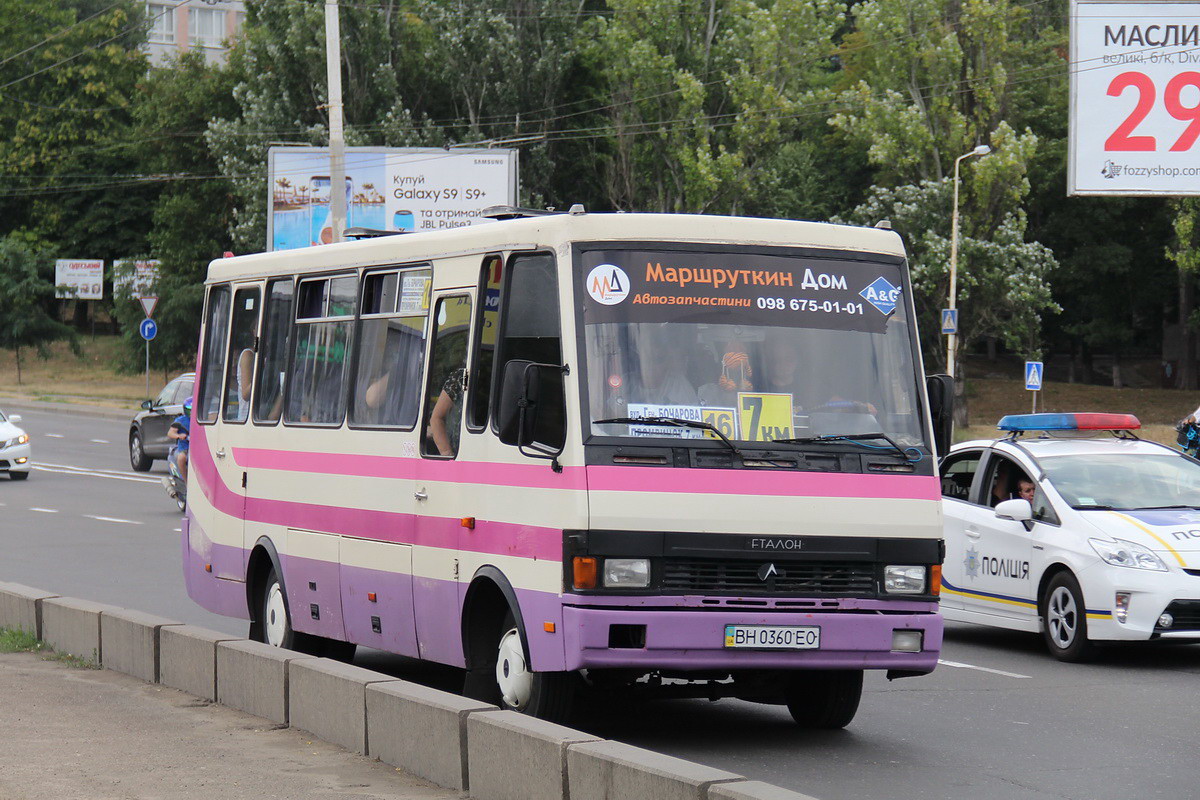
{"x": 602, "y": 770}
{"x": 73, "y": 626}
{"x": 421, "y": 730}
{"x": 187, "y": 659}
{"x": 753, "y": 790}
{"x": 131, "y": 642}
{"x": 458, "y": 743}
{"x": 329, "y": 699}
{"x": 514, "y": 757}
{"x": 21, "y": 607}
{"x": 253, "y": 677}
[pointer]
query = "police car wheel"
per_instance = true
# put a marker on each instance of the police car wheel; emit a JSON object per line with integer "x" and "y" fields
{"x": 1064, "y": 619}
{"x": 824, "y": 700}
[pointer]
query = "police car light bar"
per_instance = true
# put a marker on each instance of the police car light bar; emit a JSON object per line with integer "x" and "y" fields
{"x": 1069, "y": 422}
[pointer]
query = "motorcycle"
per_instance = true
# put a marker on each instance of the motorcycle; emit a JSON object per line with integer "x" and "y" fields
{"x": 174, "y": 483}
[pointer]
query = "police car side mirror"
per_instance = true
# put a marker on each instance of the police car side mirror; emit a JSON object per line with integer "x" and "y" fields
{"x": 1018, "y": 510}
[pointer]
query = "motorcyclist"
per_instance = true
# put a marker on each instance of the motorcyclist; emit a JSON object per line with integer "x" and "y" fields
{"x": 179, "y": 433}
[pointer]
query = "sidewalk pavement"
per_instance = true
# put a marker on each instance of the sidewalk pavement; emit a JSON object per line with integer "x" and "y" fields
{"x": 12, "y": 403}
{"x": 100, "y": 735}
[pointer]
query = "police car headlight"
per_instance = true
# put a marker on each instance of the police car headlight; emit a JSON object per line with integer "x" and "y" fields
{"x": 1121, "y": 553}
{"x": 626, "y": 573}
{"x": 902, "y": 579}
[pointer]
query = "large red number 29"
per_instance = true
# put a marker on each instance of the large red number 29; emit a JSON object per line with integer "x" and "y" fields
{"x": 1121, "y": 141}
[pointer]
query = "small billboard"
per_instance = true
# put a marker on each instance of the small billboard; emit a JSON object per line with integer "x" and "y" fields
{"x": 141, "y": 276}
{"x": 387, "y": 188}
{"x": 79, "y": 279}
{"x": 1135, "y": 98}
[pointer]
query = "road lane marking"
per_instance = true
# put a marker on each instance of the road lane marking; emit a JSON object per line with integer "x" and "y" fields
{"x": 100, "y": 441}
{"x": 45, "y": 510}
{"x": 960, "y": 665}
{"x": 113, "y": 519}
{"x": 66, "y": 469}
{"x": 123, "y": 472}
{"x": 55, "y": 436}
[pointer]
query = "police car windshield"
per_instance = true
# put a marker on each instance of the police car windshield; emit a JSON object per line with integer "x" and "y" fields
{"x": 764, "y": 347}
{"x": 1125, "y": 481}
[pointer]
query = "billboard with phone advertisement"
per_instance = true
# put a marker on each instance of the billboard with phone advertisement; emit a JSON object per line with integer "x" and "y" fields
{"x": 387, "y": 188}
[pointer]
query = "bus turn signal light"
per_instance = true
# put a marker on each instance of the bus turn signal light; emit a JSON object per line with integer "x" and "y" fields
{"x": 935, "y": 580}
{"x": 585, "y": 572}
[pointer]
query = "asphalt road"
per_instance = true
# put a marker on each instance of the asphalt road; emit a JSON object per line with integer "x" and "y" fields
{"x": 999, "y": 719}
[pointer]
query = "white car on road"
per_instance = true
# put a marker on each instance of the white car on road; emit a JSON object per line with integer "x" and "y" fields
{"x": 1073, "y": 527}
{"x": 16, "y": 456}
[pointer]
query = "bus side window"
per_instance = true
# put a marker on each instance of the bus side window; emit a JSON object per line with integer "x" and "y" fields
{"x": 530, "y": 331}
{"x": 391, "y": 348}
{"x": 273, "y": 350}
{"x": 484, "y": 357}
{"x": 447, "y": 377}
{"x": 324, "y": 320}
{"x": 240, "y": 376}
{"x": 216, "y": 331}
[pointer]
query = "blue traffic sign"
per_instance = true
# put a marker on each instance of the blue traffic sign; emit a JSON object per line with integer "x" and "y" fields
{"x": 148, "y": 329}
{"x": 1033, "y": 376}
{"x": 949, "y": 320}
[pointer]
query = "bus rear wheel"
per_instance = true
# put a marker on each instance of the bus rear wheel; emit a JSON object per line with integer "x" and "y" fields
{"x": 275, "y": 626}
{"x": 824, "y": 699}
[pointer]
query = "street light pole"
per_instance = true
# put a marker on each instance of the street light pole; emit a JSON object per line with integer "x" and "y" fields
{"x": 981, "y": 150}
{"x": 337, "y": 142}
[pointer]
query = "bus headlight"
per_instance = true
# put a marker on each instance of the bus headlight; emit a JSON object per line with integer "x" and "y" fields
{"x": 903, "y": 579}
{"x": 626, "y": 573}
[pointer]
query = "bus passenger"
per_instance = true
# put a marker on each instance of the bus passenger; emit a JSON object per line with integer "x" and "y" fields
{"x": 446, "y": 418}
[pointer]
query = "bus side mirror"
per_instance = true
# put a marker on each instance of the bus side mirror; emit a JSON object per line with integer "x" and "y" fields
{"x": 940, "y": 389}
{"x": 531, "y": 400}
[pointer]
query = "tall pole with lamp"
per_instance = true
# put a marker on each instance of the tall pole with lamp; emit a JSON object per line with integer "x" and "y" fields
{"x": 952, "y": 340}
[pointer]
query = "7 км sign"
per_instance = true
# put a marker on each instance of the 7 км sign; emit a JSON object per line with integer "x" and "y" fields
{"x": 1135, "y": 98}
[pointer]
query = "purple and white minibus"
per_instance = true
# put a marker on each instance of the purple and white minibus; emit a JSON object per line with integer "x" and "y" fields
{"x": 681, "y": 454}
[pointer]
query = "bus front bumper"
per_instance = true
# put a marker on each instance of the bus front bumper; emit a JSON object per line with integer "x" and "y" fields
{"x": 695, "y": 640}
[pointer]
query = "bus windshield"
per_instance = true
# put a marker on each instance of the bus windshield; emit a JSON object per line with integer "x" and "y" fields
{"x": 762, "y": 346}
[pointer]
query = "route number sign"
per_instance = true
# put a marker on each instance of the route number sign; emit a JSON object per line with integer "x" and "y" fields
{"x": 1135, "y": 98}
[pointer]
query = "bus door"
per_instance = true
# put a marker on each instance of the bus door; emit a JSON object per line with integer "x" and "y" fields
{"x": 214, "y": 509}
{"x": 444, "y": 501}
{"x": 231, "y": 433}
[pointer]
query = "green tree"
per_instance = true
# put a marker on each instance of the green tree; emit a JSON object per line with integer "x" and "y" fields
{"x": 64, "y": 125}
{"x": 938, "y": 84}
{"x": 700, "y": 94}
{"x": 26, "y": 292}
{"x": 191, "y": 216}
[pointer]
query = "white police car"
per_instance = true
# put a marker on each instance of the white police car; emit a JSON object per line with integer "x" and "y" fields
{"x": 1104, "y": 544}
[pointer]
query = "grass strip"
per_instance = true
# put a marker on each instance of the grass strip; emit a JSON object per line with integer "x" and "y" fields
{"x": 18, "y": 641}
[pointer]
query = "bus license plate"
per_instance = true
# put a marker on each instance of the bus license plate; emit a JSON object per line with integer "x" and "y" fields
{"x": 772, "y": 637}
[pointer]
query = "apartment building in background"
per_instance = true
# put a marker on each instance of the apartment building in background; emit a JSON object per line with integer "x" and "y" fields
{"x": 208, "y": 25}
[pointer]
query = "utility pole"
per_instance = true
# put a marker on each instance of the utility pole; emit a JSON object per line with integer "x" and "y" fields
{"x": 337, "y": 141}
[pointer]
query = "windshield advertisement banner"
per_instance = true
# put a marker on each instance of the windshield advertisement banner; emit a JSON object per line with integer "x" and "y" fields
{"x": 387, "y": 188}
{"x": 738, "y": 288}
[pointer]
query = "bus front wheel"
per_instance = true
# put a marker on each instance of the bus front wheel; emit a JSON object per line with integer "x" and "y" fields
{"x": 824, "y": 699}
{"x": 516, "y": 687}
